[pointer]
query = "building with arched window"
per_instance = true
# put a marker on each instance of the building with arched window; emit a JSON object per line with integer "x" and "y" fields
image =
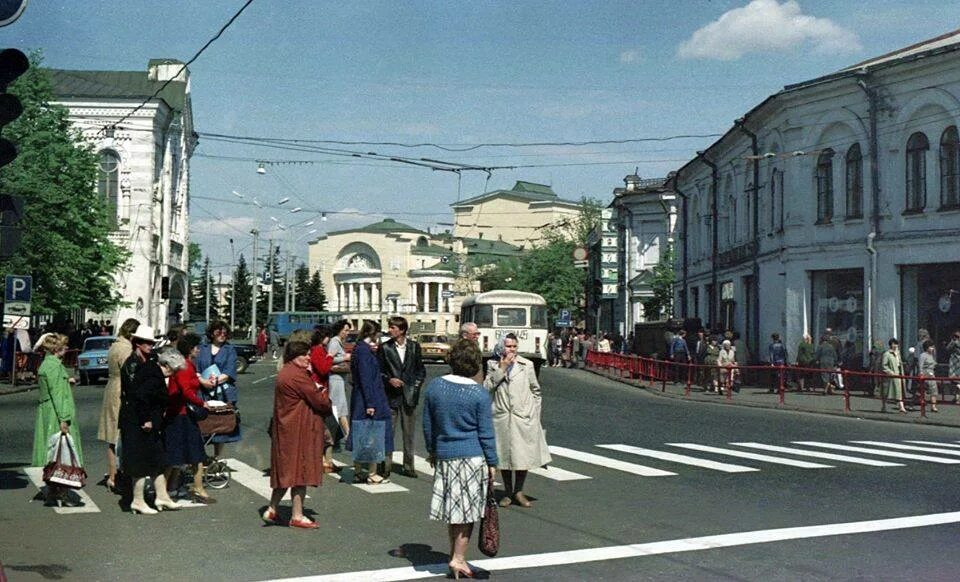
{"x": 143, "y": 177}
{"x": 853, "y": 180}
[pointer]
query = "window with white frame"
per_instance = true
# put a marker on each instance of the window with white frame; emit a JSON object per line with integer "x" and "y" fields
{"x": 825, "y": 186}
{"x": 950, "y": 169}
{"x": 916, "y": 172}
{"x": 854, "y": 181}
{"x": 108, "y": 183}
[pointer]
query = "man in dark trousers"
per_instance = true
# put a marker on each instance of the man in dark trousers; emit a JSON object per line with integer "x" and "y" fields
{"x": 401, "y": 366}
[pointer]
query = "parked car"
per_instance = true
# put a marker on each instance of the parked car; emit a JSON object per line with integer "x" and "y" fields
{"x": 92, "y": 361}
{"x": 434, "y": 346}
{"x": 246, "y": 355}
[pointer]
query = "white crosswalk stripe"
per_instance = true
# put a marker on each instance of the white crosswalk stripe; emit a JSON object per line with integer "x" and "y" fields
{"x": 754, "y": 456}
{"x": 935, "y": 444}
{"x": 555, "y": 473}
{"x": 818, "y": 454}
{"x": 36, "y": 476}
{"x": 878, "y": 452}
{"x": 908, "y": 447}
{"x": 682, "y": 459}
{"x": 609, "y": 463}
{"x": 420, "y": 464}
{"x": 251, "y": 478}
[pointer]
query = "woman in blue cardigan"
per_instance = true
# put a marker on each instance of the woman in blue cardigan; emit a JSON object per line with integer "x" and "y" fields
{"x": 459, "y": 436}
{"x": 368, "y": 400}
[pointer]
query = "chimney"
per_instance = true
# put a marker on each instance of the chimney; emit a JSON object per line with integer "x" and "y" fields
{"x": 166, "y": 69}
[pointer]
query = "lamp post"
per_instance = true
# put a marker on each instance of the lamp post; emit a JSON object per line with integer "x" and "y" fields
{"x": 255, "y": 288}
{"x": 233, "y": 285}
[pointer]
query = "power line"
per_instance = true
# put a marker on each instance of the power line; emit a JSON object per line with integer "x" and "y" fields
{"x": 185, "y": 65}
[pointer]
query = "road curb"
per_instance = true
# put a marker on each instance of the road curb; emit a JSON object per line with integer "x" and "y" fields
{"x": 880, "y": 416}
{"x": 17, "y": 389}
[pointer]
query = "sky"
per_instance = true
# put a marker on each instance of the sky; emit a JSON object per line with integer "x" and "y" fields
{"x": 456, "y": 74}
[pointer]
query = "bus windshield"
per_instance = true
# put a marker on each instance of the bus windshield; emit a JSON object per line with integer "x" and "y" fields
{"x": 511, "y": 317}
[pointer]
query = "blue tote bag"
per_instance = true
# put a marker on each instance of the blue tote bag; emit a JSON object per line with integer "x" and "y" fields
{"x": 368, "y": 439}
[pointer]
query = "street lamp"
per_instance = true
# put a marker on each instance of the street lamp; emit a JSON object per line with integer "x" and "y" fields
{"x": 233, "y": 285}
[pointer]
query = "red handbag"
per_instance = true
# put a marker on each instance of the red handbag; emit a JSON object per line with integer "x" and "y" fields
{"x": 489, "y": 540}
{"x": 59, "y": 474}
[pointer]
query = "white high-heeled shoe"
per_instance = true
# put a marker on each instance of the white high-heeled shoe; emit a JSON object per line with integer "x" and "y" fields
{"x": 163, "y": 504}
{"x": 142, "y": 509}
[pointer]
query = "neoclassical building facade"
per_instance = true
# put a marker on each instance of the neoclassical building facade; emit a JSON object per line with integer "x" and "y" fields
{"x": 835, "y": 203}
{"x": 144, "y": 177}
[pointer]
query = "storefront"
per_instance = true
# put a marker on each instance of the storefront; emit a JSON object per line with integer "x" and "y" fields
{"x": 837, "y": 303}
{"x": 931, "y": 301}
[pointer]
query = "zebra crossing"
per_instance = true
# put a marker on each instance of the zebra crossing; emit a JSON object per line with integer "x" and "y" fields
{"x": 810, "y": 455}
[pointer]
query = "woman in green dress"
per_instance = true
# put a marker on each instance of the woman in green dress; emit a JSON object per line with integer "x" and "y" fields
{"x": 56, "y": 412}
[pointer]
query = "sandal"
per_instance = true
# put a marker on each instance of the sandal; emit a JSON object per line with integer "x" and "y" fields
{"x": 377, "y": 480}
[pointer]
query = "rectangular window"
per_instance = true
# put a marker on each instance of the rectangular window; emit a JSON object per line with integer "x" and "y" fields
{"x": 539, "y": 317}
{"x": 837, "y": 303}
{"x": 483, "y": 315}
{"x": 512, "y": 317}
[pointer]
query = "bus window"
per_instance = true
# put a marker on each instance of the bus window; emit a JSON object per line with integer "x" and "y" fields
{"x": 512, "y": 317}
{"x": 483, "y": 315}
{"x": 538, "y": 317}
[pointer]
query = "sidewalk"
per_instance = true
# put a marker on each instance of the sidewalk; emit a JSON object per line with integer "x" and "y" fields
{"x": 861, "y": 406}
{"x": 8, "y": 388}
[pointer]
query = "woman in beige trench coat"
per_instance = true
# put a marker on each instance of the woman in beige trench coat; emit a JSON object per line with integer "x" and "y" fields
{"x": 108, "y": 430}
{"x": 521, "y": 442}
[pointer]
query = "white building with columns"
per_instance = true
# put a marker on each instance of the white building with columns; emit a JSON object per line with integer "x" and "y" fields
{"x": 389, "y": 268}
{"x": 833, "y": 203}
{"x": 144, "y": 177}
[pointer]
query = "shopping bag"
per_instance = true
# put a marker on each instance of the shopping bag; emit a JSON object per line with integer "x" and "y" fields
{"x": 368, "y": 440}
{"x": 489, "y": 540}
{"x": 64, "y": 470}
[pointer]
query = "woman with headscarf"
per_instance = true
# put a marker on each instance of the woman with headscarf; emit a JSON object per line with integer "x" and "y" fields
{"x": 56, "y": 411}
{"x": 517, "y": 403}
{"x": 108, "y": 430}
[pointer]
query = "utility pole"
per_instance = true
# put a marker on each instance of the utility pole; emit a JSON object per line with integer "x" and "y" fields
{"x": 286, "y": 282}
{"x": 270, "y": 270}
{"x": 255, "y": 288}
{"x": 233, "y": 286}
{"x": 206, "y": 273}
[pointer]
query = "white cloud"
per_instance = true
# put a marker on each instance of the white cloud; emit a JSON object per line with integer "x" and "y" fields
{"x": 630, "y": 56}
{"x": 231, "y": 226}
{"x": 766, "y": 26}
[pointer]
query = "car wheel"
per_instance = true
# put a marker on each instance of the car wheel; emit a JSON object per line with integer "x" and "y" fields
{"x": 242, "y": 364}
{"x": 84, "y": 379}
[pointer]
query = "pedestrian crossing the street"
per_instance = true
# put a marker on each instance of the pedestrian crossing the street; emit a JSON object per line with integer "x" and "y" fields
{"x": 664, "y": 462}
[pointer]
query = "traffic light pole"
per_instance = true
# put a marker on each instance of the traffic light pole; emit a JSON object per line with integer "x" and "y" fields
{"x": 255, "y": 288}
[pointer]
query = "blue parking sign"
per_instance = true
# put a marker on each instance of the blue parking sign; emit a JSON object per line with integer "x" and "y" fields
{"x": 18, "y": 288}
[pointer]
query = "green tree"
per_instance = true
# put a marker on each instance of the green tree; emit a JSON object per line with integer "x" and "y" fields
{"x": 310, "y": 293}
{"x": 195, "y": 298}
{"x": 202, "y": 285}
{"x": 242, "y": 286}
{"x": 66, "y": 224}
{"x": 661, "y": 304}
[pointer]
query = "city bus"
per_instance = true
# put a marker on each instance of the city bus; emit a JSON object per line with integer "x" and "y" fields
{"x": 500, "y": 312}
{"x": 285, "y": 322}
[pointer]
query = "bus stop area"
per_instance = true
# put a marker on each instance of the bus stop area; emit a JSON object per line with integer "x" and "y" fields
{"x": 660, "y": 377}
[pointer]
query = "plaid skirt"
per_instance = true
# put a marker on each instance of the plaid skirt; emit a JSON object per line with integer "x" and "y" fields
{"x": 459, "y": 490}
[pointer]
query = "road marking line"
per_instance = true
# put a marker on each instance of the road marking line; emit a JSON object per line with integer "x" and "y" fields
{"x": 647, "y": 549}
{"x": 907, "y": 447}
{"x": 264, "y": 379}
{"x": 682, "y": 459}
{"x": 609, "y": 463}
{"x": 346, "y": 475}
{"x": 252, "y": 479}
{"x": 558, "y": 474}
{"x": 754, "y": 456}
{"x": 419, "y": 463}
{"x": 879, "y": 452}
{"x": 818, "y": 455}
{"x": 936, "y": 444}
{"x": 36, "y": 476}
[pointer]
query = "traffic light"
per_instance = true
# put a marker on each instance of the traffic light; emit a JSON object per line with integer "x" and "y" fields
{"x": 13, "y": 63}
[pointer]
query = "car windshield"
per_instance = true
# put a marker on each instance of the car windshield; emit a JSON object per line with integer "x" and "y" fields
{"x": 433, "y": 339}
{"x": 97, "y": 344}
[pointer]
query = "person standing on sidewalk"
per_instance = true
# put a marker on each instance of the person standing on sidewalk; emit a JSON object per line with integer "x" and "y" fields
{"x": 953, "y": 348}
{"x": 893, "y": 366}
{"x": 401, "y": 365}
{"x": 806, "y": 358}
{"x": 679, "y": 354}
{"x": 711, "y": 358}
{"x": 727, "y": 363}
{"x": 927, "y": 366}
{"x": 827, "y": 360}
{"x": 108, "y": 429}
{"x": 777, "y": 355}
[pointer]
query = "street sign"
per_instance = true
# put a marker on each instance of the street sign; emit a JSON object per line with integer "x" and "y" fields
{"x": 16, "y": 308}
{"x": 16, "y": 322}
{"x": 18, "y": 288}
{"x": 447, "y": 294}
{"x": 564, "y": 319}
{"x": 580, "y": 254}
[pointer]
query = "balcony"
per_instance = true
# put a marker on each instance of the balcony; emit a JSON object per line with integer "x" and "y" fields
{"x": 737, "y": 255}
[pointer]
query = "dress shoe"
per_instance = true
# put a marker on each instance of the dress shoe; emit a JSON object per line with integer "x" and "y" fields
{"x": 408, "y": 473}
{"x": 522, "y": 500}
{"x": 202, "y": 499}
{"x": 269, "y": 516}
{"x": 142, "y": 509}
{"x": 505, "y": 501}
{"x": 166, "y": 504}
{"x": 304, "y": 523}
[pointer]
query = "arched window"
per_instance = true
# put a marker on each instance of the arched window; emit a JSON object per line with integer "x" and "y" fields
{"x": 108, "y": 183}
{"x": 825, "y": 186}
{"x": 854, "y": 173}
{"x": 950, "y": 169}
{"x": 916, "y": 182}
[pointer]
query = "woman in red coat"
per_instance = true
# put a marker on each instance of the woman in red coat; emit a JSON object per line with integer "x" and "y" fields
{"x": 262, "y": 342}
{"x": 320, "y": 364}
{"x": 299, "y": 406}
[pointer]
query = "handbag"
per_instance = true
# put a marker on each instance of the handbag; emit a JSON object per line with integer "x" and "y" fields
{"x": 219, "y": 420}
{"x": 65, "y": 474}
{"x": 369, "y": 440}
{"x": 489, "y": 540}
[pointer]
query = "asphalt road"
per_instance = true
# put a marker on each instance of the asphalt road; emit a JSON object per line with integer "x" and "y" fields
{"x": 604, "y": 525}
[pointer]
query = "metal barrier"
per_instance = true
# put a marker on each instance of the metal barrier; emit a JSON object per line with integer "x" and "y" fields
{"x": 654, "y": 371}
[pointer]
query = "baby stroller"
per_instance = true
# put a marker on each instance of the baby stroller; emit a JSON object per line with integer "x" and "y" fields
{"x": 219, "y": 420}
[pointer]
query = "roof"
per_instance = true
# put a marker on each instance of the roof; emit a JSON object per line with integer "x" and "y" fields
{"x": 135, "y": 85}
{"x": 481, "y": 246}
{"x": 386, "y": 226}
{"x": 529, "y": 191}
{"x": 947, "y": 42}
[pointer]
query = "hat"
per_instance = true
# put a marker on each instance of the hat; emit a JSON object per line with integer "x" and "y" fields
{"x": 144, "y": 332}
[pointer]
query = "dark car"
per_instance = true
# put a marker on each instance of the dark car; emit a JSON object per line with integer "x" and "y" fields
{"x": 246, "y": 355}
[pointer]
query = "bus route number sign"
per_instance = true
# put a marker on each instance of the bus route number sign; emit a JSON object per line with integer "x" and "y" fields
{"x": 520, "y": 333}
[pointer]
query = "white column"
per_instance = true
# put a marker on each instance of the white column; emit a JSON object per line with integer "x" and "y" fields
{"x": 413, "y": 295}
{"x": 444, "y": 303}
{"x": 426, "y": 297}
{"x": 342, "y": 296}
{"x": 364, "y": 306}
{"x": 354, "y": 297}
{"x": 376, "y": 297}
